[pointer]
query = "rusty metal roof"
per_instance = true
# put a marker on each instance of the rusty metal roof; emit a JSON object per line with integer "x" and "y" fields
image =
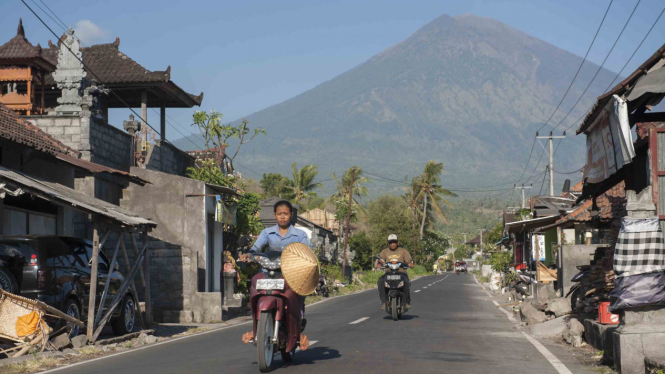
{"x": 97, "y": 168}
{"x": 63, "y": 195}
{"x": 620, "y": 89}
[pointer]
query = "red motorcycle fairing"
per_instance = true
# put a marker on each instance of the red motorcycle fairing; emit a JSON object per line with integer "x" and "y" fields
{"x": 261, "y": 301}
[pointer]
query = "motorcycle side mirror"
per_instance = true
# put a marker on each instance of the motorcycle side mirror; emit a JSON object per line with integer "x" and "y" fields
{"x": 243, "y": 241}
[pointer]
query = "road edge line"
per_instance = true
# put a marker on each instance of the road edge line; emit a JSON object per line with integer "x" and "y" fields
{"x": 559, "y": 366}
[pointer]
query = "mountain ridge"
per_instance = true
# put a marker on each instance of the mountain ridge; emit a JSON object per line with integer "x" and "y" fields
{"x": 468, "y": 91}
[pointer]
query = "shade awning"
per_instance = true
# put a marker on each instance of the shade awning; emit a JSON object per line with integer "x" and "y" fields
{"x": 11, "y": 180}
{"x": 223, "y": 190}
{"x": 529, "y": 224}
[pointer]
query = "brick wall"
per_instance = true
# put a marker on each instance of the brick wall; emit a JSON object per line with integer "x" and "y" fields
{"x": 67, "y": 129}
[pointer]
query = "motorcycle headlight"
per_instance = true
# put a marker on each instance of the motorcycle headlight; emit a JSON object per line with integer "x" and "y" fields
{"x": 393, "y": 266}
{"x": 277, "y": 263}
{"x": 264, "y": 262}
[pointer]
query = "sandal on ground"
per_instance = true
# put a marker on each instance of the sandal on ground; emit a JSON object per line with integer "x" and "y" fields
{"x": 304, "y": 342}
{"x": 248, "y": 337}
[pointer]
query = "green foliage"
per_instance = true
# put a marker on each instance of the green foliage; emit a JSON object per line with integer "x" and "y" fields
{"x": 523, "y": 214}
{"x": 273, "y": 184}
{"x": 492, "y": 237}
{"x": 462, "y": 252}
{"x": 247, "y": 221}
{"x": 333, "y": 272}
{"x": 435, "y": 244}
{"x": 362, "y": 246}
{"x": 303, "y": 182}
{"x": 431, "y": 194}
{"x": 417, "y": 270}
{"x": 209, "y": 171}
{"x": 389, "y": 215}
{"x": 216, "y": 134}
{"x": 511, "y": 276}
{"x": 500, "y": 261}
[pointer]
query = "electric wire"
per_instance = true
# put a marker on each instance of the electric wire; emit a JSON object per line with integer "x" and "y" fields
{"x": 580, "y": 67}
{"x": 601, "y": 65}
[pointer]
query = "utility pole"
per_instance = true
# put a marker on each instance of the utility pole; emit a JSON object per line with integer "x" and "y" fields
{"x": 481, "y": 242}
{"x": 550, "y": 166}
{"x": 348, "y": 222}
{"x": 463, "y": 233}
{"x": 523, "y": 187}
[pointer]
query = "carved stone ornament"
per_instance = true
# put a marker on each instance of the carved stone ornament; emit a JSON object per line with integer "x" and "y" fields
{"x": 69, "y": 75}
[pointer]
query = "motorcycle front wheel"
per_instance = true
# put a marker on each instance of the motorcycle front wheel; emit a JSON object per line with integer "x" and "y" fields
{"x": 394, "y": 309}
{"x": 265, "y": 347}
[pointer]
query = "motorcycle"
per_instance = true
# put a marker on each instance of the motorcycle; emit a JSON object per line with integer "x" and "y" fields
{"x": 322, "y": 287}
{"x": 523, "y": 285}
{"x": 275, "y": 312}
{"x": 578, "y": 290}
{"x": 395, "y": 298}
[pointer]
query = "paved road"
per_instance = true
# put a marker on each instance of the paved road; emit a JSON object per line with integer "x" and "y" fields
{"x": 453, "y": 327}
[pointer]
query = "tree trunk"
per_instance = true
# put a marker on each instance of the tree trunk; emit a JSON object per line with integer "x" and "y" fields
{"x": 422, "y": 225}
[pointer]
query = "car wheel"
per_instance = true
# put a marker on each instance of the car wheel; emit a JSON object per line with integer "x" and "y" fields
{"x": 72, "y": 309}
{"x": 124, "y": 324}
{"x": 8, "y": 282}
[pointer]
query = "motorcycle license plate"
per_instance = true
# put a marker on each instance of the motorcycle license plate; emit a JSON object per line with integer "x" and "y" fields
{"x": 270, "y": 284}
{"x": 393, "y": 277}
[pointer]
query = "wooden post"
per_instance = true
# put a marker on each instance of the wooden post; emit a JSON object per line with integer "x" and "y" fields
{"x": 128, "y": 268}
{"x": 146, "y": 264}
{"x": 93, "y": 282}
{"x": 162, "y": 122}
{"x": 108, "y": 280}
{"x": 136, "y": 254}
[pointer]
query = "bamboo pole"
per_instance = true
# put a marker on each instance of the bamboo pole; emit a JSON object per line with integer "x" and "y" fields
{"x": 93, "y": 282}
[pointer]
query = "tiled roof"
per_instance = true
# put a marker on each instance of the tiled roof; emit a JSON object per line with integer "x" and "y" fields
{"x": 19, "y": 46}
{"x": 611, "y": 204}
{"x": 578, "y": 187}
{"x": 110, "y": 65}
{"x": 13, "y": 128}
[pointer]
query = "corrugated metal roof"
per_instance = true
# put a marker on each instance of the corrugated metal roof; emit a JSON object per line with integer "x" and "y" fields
{"x": 224, "y": 190}
{"x": 97, "y": 168}
{"x": 67, "y": 196}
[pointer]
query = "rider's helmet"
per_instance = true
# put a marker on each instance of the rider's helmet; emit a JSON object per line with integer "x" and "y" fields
{"x": 392, "y": 237}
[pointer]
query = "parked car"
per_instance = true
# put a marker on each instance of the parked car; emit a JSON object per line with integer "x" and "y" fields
{"x": 57, "y": 271}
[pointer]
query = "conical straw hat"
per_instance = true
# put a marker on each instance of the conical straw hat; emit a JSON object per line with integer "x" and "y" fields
{"x": 300, "y": 268}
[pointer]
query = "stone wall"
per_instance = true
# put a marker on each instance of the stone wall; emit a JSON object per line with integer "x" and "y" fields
{"x": 111, "y": 146}
{"x": 71, "y": 130}
{"x": 168, "y": 159}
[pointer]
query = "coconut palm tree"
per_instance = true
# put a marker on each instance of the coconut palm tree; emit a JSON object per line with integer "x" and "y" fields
{"x": 303, "y": 182}
{"x": 431, "y": 193}
{"x": 344, "y": 185}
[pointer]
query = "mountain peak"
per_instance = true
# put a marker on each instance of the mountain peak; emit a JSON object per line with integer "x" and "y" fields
{"x": 467, "y": 91}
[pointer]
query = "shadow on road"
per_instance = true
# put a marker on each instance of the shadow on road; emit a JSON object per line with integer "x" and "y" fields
{"x": 445, "y": 356}
{"x": 310, "y": 356}
{"x": 403, "y": 317}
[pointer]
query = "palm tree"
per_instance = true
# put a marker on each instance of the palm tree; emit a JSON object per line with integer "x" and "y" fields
{"x": 431, "y": 192}
{"x": 303, "y": 182}
{"x": 344, "y": 186}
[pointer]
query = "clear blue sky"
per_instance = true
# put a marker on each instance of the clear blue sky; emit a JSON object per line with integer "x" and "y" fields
{"x": 248, "y": 55}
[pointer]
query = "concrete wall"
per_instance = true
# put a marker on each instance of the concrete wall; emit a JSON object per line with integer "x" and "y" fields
{"x": 180, "y": 219}
{"x": 71, "y": 130}
{"x": 570, "y": 257}
{"x": 169, "y": 159}
{"x": 111, "y": 146}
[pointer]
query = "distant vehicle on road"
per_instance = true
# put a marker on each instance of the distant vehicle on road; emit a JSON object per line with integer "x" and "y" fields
{"x": 460, "y": 267}
{"x": 56, "y": 270}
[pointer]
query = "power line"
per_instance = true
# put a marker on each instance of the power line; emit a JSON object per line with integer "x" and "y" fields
{"x": 568, "y": 172}
{"x": 635, "y": 51}
{"x": 543, "y": 185}
{"x": 580, "y": 67}
{"x": 59, "y": 22}
{"x": 601, "y": 65}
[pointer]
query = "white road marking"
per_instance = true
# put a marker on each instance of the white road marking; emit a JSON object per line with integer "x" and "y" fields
{"x": 429, "y": 285}
{"x": 417, "y": 291}
{"x": 558, "y": 365}
{"x": 310, "y": 344}
{"x": 549, "y": 356}
{"x": 359, "y": 320}
{"x": 424, "y": 287}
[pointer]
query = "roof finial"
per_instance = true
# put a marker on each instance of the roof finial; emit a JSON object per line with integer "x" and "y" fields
{"x": 20, "y": 30}
{"x": 117, "y": 42}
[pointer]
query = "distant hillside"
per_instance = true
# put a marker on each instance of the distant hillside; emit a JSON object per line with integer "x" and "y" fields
{"x": 466, "y": 91}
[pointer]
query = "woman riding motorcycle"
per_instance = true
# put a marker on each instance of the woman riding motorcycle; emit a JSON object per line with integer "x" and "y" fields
{"x": 276, "y": 238}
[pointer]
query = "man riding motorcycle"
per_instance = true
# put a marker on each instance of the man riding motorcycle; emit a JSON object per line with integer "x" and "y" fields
{"x": 395, "y": 252}
{"x": 276, "y": 238}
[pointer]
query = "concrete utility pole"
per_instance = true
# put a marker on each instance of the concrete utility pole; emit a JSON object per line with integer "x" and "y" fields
{"x": 550, "y": 166}
{"x": 523, "y": 187}
{"x": 348, "y": 222}
{"x": 481, "y": 242}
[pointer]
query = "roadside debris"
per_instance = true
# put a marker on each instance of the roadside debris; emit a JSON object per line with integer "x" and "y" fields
{"x": 531, "y": 315}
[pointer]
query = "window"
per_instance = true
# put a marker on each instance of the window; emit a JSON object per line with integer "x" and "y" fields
{"x": 60, "y": 257}
{"x": 84, "y": 253}
{"x": 16, "y": 252}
